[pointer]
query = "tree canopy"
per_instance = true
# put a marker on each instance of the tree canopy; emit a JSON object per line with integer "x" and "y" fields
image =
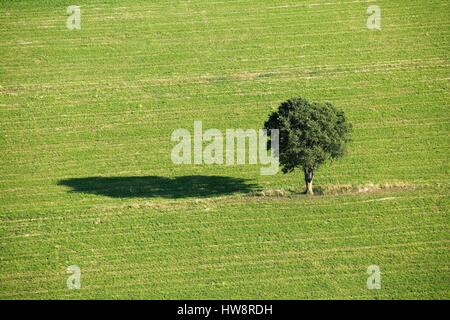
{"x": 310, "y": 134}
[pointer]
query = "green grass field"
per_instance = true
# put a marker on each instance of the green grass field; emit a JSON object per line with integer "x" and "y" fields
{"x": 86, "y": 176}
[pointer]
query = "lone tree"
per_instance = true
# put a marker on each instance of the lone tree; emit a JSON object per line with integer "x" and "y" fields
{"x": 310, "y": 133}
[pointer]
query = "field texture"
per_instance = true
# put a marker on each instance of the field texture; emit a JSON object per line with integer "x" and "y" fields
{"x": 86, "y": 176}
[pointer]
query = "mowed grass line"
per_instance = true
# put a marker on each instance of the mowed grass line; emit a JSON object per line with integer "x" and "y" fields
{"x": 248, "y": 243}
{"x": 104, "y": 100}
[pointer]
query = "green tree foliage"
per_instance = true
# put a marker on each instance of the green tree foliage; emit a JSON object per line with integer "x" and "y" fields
{"x": 311, "y": 133}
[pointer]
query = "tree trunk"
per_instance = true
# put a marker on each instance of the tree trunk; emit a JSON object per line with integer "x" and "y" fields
{"x": 308, "y": 181}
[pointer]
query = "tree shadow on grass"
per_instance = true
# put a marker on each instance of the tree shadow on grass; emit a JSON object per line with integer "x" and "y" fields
{"x": 154, "y": 186}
